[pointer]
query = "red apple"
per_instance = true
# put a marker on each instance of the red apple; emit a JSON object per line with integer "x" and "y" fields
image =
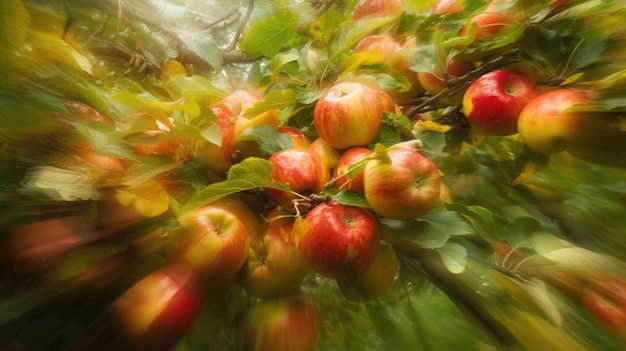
{"x": 375, "y": 281}
{"x": 369, "y": 9}
{"x": 212, "y": 241}
{"x": 347, "y": 159}
{"x": 493, "y": 102}
{"x": 298, "y": 138}
{"x": 351, "y": 114}
{"x": 401, "y": 183}
{"x": 275, "y": 266}
{"x": 160, "y": 309}
{"x": 434, "y": 82}
{"x": 550, "y": 121}
{"x": 607, "y": 302}
{"x": 327, "y": 153}
{"x": 334, "y": 238}
{"x": 284, "y": 324}
{"x": 303, "y": 171}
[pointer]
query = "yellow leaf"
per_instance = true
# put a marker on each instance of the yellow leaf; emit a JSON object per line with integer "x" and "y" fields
{"x": 149, "y": 198}
{"x": 360, "y": 59}
{"x": 173, "y": 68}
{"x": 529, "y": 169}
{"x": 423, "y": 126}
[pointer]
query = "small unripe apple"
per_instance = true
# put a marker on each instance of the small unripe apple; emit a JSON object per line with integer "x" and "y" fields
{"x": 351, "y": 114}
{"x": 401, "y": 183}
{"x": 334, "y": 238}
{"x": 493, "y": 102}
{"x": 303, "y": 171}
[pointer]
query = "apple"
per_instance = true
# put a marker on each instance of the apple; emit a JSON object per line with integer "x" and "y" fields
{"x": 434, "y": 82}
{"x": 329, "y": 155}
{"x": 274, "y": 267}
{"x": 283, "y": 324}
{"x": 375, "y": 281}
{"x": 370, "y": 9}
{"x": 550, "y": 121}
{"x": 607, "y": 302}
{"x": 334, "y": 238}
{"x": 401, "y": 183}
{"x": 347, "y": 159}
{"x": 447, "y": 7}
{"x": 493, "y": 102}
{"x": 303, "y": 171}
{"x": 298, "y": 138}
{"x": 489, "y": 23}
{"x": 150, "y": 142}
{"x": 212, "y": 241}
{"x": 160, "y": 309}
{"x": 397, "y": 55}
{"x": 351, "y": 114}
{"x": 245, "y": 209}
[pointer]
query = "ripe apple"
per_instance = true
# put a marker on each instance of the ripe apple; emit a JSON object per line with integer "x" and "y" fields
{"x": 447, "y": 7}
{"x": 397, "y": 55}
{"x": 334, "y": 238}
{"x": 351, "y": 114}
{"x": 303, "y": 171}
{"x": 243, "y": 209}
{"x": 493, "y": 102}
{"x": 327, "y": 153}
{"x": 275, "y": 266}
{"x": 298, "y": 138}
{"x": 347, "y": 159}
{"x": 283, "y": 324}
{"x": 369, "y": 9}
{"x": 150, "y": 143}
{"x": 608, "y": 303}
{"x": 550, "y": 121}
{"x": 160, "y": 309}
{"x": 212, "y": 241}
{"x": 401, "y": 183}
{"x": 434, "y": 82}
{"x": 489, "y": 23}
{"x": 375, "y": 281}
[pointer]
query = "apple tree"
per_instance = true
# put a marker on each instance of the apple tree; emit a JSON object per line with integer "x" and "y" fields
{"x": 312, "y": 175}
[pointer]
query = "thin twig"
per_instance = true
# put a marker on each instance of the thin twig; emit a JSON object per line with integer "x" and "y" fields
{"x": 221, "y": 19}
{"x": 242, "y": 25}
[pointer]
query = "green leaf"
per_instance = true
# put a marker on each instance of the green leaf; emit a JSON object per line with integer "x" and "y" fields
{"x": 412, "y": 234}
{"x": 587, "y": 52}
{"x": 251, "y": 173}
{"x": 275, "y": 99}
{"x": 388, "y": 328}
{"x": 454, "y": 257}
{"x": 268, "y": 36}
{"x": 282, "y": 59}
{"x": 18, "y": 115}
{"x": 351, "y": 198}
{"x": 204, "y": 46}
{"x": 449, "y": 222}
{"x": 433, "y": 144}
{"x": 268, "y": 138}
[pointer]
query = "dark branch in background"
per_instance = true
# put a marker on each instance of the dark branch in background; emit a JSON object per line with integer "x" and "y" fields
{"x": 457, "y": 84}
{"x": 242, "y": 25}
{"x": 221, "y": 19}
